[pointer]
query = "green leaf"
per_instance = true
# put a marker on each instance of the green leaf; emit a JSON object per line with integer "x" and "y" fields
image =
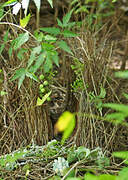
{"x": 21, "y": 79}
{"x": 68, "y": 33}
{"x": 48, "y": 63}
{"x": 55, "y": 58}
{"x": 24, "y": 21}
{"x": 9, "y": 2}
{"x": 20, "y": 72}
{"x": 50, "y": 38}
{"x": 123, "y": 155}
{"x": 51, "y": 30}
{"x": 89, "y": 176}
{"x": 63, "y": 45}
{"x": 71, "y": 24}
{"x": 39, "y": 62}
{"x": 102, "y": 93}
{"x": 32, "y": 76}
{"x": 20, "y": 40}
{"x": 47, "y": 47}
{"x": 59, "y": 23}
{"x": 66, "y": 18}
{"x": 119, "y": 117}
{"x": 123, "y": 174}
{"x": 41, "y": 101}
{"x": 118, "y": 107}
{"x": 122, "y": 74}
{"x": 32, "y": 58}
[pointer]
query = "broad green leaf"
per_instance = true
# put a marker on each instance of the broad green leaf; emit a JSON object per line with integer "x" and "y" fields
{"x": 122, "y": 155}
{"x": 32, "y": 58}
{"x": 39, "y": 36}
{"x": 71, "y": 24}
{"x": 118, "y": 107}
{"x": 66, "y": 18}
{"x": 47, "y": 47}
{"x": 63, "y": 45}
{"x": 107, "y": 177}
{"x": 50, "y": 2}
{"x": 123, "y": 174}
{"x": 39, "y": 62}
{"x": 102, "y": 93}
{"x": 119, "y": 117}
{"x": 10, "y": 2}
{"x": 122, "y": 74}
{"x": 20, "y": 72}
{"x": 32, "y": 76}
{"x": 24, "y": 21}
{"x": 59, "y": 23}
{"x": 21, "y": 79}
{"x": 68, "y": 33}
{"x": 38, "y": 4}
{"x": 55, "y": 58}
{"x": 48, "y": 63}
{"x": 50, "y": 38}
{"x": 89, "y": 176}
{"x": 51, "y": 30}
{"x": 41, "y": 101}
{"x": 20, "y": 40}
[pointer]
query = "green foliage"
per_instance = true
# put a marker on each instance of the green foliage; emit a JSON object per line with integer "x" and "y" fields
{"x": 44, "y": 98}
{"x": 78, "y": 68}
{"x": 44, "y": 54}
{"x": 97, "y": 100}
{"x": 9, "y": 161}
{"x": 94, "y": 11}
{"x": 122, "y": 74}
